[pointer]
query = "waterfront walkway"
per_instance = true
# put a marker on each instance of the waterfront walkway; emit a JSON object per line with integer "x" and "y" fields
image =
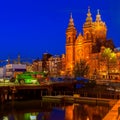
{"x": 114, "y": 113}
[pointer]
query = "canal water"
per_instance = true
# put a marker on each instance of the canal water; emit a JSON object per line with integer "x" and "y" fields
{"x": 38, "y": 110}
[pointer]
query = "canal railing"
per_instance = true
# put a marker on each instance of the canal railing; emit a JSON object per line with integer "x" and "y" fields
{"x": 73, "y": 99}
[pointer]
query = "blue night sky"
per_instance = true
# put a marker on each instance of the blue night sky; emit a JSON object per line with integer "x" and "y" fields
{"x": 33, "y": 27}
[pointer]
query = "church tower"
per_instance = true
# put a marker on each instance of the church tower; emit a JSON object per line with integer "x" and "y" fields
{"x": 70, "y": 46}
{"x": 88, "y": 27}
{"x": 88, "y": 34}
{"x": 100, "y": 28}
{"x": 100, "y": 31}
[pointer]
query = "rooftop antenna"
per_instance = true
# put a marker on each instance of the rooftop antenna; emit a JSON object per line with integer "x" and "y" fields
{"x": 18, "y": 58}
{"x": 8, "y": 60}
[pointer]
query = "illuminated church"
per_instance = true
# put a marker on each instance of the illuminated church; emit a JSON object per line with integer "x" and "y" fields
{"x": 88, "y": 44}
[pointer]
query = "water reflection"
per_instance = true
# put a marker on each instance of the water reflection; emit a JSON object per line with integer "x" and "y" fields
{"x": 85, "y": 112}
{"x": 36, "y": 110}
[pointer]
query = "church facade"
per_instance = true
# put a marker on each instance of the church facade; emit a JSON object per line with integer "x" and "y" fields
{"x": 88, "y": 44}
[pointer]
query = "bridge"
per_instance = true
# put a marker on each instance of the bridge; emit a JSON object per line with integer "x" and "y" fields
{"x": 12, "y": 91}
{"x": 9, "y": 91}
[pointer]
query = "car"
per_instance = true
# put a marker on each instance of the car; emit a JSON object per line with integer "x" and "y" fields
{"x": 30, "y": 77}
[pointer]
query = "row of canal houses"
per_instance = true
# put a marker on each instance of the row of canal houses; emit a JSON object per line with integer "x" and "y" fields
{"x": 55, "y": 65}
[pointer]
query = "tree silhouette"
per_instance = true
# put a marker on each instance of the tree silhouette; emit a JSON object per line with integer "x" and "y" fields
{"x": 109, "y": 57}
{"x": 81, "y": 68}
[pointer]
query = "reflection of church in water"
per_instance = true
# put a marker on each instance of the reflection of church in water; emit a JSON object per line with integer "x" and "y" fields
{"x": 88, "y": 44}
{"x": 85, "y": 112}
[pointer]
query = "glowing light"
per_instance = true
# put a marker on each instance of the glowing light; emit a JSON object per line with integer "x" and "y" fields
{"x": 88, "y": 118}
{"x": 33, "y": 117}
{"x": 98, "y": 27}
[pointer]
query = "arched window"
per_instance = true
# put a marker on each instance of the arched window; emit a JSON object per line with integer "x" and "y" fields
{"x": 68, "y": 40}
{"x": 88, "y": 36}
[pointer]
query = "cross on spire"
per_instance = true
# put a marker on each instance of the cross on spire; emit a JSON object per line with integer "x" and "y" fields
{"x": 98, "y": 16}
{"x": 89, "y": 18}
